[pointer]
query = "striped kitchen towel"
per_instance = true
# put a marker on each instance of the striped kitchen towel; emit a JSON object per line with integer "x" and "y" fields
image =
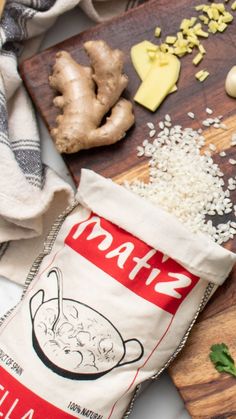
{"x": 31, "y": 194}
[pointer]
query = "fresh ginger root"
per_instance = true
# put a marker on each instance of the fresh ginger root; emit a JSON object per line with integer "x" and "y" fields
{"x": 88, "y": 94}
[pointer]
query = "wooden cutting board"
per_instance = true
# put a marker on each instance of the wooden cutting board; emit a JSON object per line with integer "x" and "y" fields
{"x": 206, "y": 393}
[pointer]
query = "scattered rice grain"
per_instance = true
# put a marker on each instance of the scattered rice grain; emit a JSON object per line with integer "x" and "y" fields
{"x": 150, "y": 125}
{"x": 209, "y": 111}
{"x": 191, "y": 115}
{"x": 140, "y": 151}
{"x": 152, "y": 133}
{"x": 212, "y": 147}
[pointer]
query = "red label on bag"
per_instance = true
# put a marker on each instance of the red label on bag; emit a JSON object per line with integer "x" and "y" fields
{"x": 137, "y": 266}
{"x": 18, "y": 402}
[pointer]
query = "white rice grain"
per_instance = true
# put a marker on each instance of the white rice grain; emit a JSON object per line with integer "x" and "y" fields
{"x": 222, "y": 154}
{"x": 209, "y": 111}
{"x": 191, "y": 115}
{"x": 150, "y": 125}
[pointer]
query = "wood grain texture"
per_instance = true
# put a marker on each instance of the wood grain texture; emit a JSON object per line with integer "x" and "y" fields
{"x": 123, "y": 32}
{"x": 206, "y": 393}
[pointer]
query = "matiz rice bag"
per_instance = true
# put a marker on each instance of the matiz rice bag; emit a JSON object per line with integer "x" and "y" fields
{"x": 107, "y": 305}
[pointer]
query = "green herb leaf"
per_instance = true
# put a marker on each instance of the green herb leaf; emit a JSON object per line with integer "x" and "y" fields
{"x": 221, "y": 358}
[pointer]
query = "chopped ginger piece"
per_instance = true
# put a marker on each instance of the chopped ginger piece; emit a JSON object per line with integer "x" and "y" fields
{"x": 215, "y": 14}
{"x": 197, "y": 59}
{"x": 193, "y": 40}
{"x": 158, "y": 32}
{"x": 233, "y": 5}
{"x": 202, "y": 75}
{"x": 185, "y": 24}
{"x": 197, "y": 27}
{"x": 193, "y": 21}
{"x": 180, "y": 51}
{"x": 200, "y": 7}
{"x": 202, "y": 49}
{"x": 220, "y": 7}
{"x": 202, "y": 33}
{"x": 180, "y": 36}
{"x": 204, "y": 19}
{"x": 199, "y": 74}
{"x": 213, "y": 26}
{"x": 227, "y": 17}
{"x": 222, "y": 27}
{"x": 210, "y": 13}
{"x": 163, "y": 47}
{"x": 170, "y": 40}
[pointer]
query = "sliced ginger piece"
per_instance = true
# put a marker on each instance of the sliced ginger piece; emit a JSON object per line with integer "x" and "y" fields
{"x": 158, "y": 83}
{"x": 141, "y": 59}
{"x": 88, "y": 94}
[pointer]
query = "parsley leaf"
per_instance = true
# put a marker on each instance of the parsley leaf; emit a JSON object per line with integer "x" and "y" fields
{"x": 221, "y": 358}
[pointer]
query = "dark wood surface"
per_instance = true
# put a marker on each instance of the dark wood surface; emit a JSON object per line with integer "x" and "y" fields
{"x": 206, "y": 393}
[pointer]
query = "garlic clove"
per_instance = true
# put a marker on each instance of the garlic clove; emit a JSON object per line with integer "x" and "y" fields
{"x": 230, "y": 82}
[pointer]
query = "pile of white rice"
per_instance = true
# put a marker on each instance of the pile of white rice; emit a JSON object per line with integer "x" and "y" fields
{"x": 186, "y": 182}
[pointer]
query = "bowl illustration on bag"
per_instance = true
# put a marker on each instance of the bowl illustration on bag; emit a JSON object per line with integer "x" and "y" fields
{"x": 76, "y": 341}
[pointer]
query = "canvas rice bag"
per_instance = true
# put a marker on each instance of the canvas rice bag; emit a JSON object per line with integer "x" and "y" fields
{"x": 107, "y": 305}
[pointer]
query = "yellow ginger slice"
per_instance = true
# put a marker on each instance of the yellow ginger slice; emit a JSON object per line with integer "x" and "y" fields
{"x": 140, "y": 57}
{"x": 158, "y": 83}
{"x": 141, "y": 61}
